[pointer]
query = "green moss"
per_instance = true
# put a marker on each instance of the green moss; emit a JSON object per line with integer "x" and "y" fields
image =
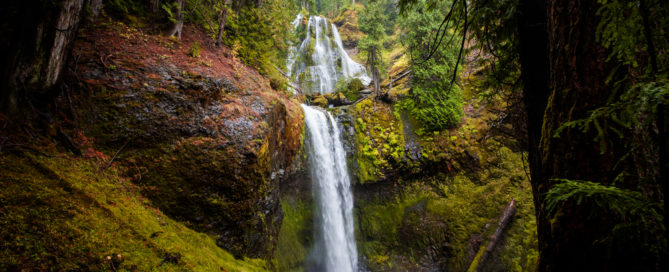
{"x": 380, "y": 146}
{"x": 295, "y": 237}
{"x": 191, "y": 182}
{"x": 449, "y": 209}
{"x": 67, "y": 214}
{"x": 381, "y": 222}
{"x": 320, "y": 100}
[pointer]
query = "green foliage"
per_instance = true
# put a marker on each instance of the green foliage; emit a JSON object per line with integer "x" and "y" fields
{"x": 371, "y": 23}
{"x": 619, "y": 200}
{"x": 253, "y": 32}
{"x": 632, "y": 108}
{"x": 621, "y": 29}
{"x": 433, "y": 100}
{"x": 261, "y": 35}
{"x": 434, "y": 112}
{"x": 124, "y": 8}
{"x": 492, "y": 30}
{"x": 194, "y": 50}
{"x": 326, "y": 6}
{"x": 295, "y": 237}
{"x": 640, "y": 219}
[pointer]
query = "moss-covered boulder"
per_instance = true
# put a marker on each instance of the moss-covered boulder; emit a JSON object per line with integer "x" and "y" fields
{"x": 211, "y": 139}
{"x": 379, "y": 142}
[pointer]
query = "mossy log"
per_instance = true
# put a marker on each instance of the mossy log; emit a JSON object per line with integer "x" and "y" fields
{"x": 481, "y": 256}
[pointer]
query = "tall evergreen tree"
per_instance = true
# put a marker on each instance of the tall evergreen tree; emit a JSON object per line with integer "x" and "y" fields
{"x": 371, "y": 23}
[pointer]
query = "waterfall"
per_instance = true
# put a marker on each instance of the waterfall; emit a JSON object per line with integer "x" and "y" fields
{"x": 335, "y": 248}
{"x": 319, "y": 60}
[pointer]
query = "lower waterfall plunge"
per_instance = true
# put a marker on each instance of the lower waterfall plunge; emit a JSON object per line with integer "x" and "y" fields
{"x": 335, "y": 248}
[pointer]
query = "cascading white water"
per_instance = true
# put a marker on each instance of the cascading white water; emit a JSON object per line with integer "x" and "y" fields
{"x": 335, "y": 246}
{"x": 320, "y": 60}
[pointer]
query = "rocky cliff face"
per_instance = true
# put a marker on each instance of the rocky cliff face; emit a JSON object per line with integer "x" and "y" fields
{"x": 428, "y": 201}
{"x": 206, "y": 138}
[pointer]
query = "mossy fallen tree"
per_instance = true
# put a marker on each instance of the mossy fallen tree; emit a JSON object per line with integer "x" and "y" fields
{"x": 484, "y": 252}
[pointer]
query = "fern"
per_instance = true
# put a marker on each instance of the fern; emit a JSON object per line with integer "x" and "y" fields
{"x": 632, "y": 108}
{"x": 627, "y": 204}
{"x": 639, "y": 218}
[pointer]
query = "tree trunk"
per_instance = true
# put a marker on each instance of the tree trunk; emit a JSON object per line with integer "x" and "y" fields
{"x": 35, "y": 50}
{"x": 572, "y": 238}
{"x": 155, "y": 6}
{"x": 95, "y": 7}
{"x": 222, "y": 16}
{"x": 178, "y": 26}
{"x": 533, "y": 47}
{"x": 478, "y": 264}
{"x": 375, "y": 70}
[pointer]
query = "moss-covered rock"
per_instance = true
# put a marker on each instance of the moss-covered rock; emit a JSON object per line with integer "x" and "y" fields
{"x": 213, "y": 144}
{"x": 440, "y": 221}
{"x": 379, "y": 142}
{"x": 431, "y": 200}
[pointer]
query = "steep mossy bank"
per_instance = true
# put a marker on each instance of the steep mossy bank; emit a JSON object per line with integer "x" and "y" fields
{"x": 71, "y": 213}
{"x": 182, "y": 157}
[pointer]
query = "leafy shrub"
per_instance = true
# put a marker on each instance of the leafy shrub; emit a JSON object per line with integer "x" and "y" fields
{"x": 435, "y": 99}
{"x": 435, "y": 112}
{"x": 195, "y": 50}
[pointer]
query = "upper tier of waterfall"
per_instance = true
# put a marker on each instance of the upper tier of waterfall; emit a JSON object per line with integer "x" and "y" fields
{"x": 319, "y": 60}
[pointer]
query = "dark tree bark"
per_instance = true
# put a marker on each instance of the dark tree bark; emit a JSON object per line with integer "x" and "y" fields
{"x": 533, "y": 47}
{"x": 564, "y": 87}
{"x": 178, "y": 26}
{"x": 578, "y": 71}
{"x": 661, "y": 121}
{"x": 34, "y": 48}
{"x": 155, "y": 6}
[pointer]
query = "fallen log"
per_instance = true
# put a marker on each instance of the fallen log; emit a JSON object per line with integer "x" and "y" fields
{"x": 484, "y": 252}
{"x": 400, "y": 75}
